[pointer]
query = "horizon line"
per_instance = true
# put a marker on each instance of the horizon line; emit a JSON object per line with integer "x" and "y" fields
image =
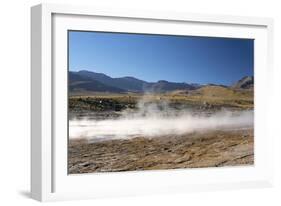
{"x": 208, "y": 83}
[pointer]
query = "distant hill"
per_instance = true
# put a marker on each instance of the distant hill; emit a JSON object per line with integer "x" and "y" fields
{"x": 215, "y": 91}
{"x": 124, "y": 83}
{"x": 81, "y": 80}
{"x": 165, "y": 86}
{"x": 98, "y": 82}
{"x": 78, "y": 83}
{"x": 246, "y": 82}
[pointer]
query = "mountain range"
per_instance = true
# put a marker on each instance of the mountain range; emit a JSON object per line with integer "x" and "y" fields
{"x": 84, "y": 80}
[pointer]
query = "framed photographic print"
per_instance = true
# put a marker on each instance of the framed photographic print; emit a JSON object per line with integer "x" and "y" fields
{"x": 137, "y": 102}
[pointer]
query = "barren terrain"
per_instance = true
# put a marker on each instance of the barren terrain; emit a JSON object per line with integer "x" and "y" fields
{"x": 205, "y": 138}
{"x": 212, "y": 149}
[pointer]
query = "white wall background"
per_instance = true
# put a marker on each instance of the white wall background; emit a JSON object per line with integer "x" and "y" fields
{"x": 15, "y": 100}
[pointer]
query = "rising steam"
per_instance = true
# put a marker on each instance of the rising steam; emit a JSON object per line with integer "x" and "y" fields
{"x": 152, "y": 120}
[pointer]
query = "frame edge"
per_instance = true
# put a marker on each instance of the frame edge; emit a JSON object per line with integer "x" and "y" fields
{"x": 36, "y": 117}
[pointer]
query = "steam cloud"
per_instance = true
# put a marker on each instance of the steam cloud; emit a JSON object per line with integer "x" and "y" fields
{"x": 157, "y": 120}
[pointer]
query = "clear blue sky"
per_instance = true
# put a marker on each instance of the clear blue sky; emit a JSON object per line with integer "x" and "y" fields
{"x": 162, "y": 57}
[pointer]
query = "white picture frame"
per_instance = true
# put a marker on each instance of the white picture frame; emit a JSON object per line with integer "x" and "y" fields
{"x": 49, "y": 179}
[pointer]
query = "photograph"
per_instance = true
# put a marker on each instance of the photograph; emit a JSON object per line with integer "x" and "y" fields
{"x": 139, "y": 102}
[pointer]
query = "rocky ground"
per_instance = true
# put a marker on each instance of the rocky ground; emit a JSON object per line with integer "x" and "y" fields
{"x": 196, "y": 150}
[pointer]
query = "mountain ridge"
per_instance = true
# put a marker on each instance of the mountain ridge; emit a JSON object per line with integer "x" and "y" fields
{"x": 84, "y": 80}
{"x": 247, "y": 82}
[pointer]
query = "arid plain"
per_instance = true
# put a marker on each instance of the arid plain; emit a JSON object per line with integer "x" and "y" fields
{"x": 206, "y": 126}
